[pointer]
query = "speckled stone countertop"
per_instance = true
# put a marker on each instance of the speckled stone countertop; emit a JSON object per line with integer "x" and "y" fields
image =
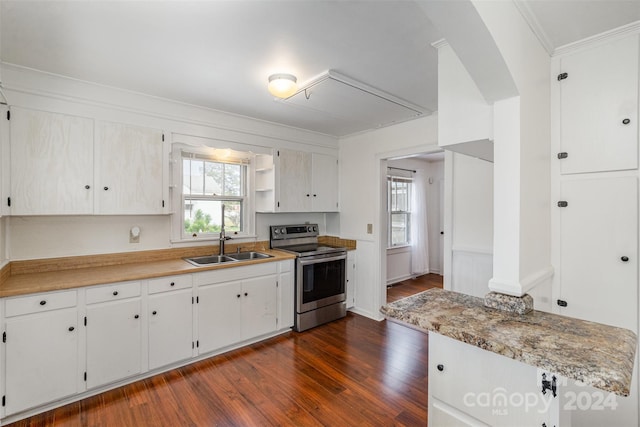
{"x": 598, "y": 355}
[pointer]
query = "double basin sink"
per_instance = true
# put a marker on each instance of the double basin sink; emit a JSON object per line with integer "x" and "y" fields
{"x": 220, "y": 259}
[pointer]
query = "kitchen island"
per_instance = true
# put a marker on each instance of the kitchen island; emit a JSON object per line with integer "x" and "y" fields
{"x": 484, "y": 349}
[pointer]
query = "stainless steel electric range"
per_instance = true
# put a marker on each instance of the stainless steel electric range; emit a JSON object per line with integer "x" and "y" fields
{"x": 320, "y": 274}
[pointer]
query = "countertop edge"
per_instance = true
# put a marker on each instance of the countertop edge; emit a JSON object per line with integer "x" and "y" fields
{"x": 608, "y": 378}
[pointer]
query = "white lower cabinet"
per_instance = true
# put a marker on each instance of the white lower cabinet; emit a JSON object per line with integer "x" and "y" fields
{"x": 60, "y": 344}
{"x": 41, "y": 354}
{"x": 236, "y": 310}
{"x": 469, "y": 386}
{"x": 170, "y": 327}
{"x": 114, "y": 341}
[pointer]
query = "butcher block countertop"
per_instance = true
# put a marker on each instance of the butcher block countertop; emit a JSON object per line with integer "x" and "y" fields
{"x": 598, "y": 355}
{"x": 52, "y": 274}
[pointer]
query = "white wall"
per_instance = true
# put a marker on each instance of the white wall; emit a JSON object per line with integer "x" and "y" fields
{"x": 361, "y": 201}
{"x": 43, "y": 237}
{"x": 471, "y": 216}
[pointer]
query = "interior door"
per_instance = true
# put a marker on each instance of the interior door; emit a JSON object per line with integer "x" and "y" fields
{"x": 598, "y": 250}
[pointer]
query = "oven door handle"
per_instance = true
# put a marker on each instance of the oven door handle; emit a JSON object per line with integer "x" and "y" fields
{"x": 315, "y": 260}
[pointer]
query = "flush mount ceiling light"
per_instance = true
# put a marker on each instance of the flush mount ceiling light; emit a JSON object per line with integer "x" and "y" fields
{"x": 282, "y": 85}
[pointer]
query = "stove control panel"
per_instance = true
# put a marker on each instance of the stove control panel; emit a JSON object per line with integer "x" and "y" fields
{"x": 279, "y": 232}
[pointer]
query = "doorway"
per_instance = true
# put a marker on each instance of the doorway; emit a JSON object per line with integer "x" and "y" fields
{"x": 414, "y": 223}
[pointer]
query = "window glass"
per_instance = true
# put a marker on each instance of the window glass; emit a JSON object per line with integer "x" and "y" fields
{"x": 399, "y": 210}
{"x": 207, "y": 185}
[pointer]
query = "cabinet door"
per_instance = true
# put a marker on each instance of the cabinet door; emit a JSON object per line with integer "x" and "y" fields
{"x": 294, "y": 183}
{"x": 259, "y": 305}
{"x": 129, "y": 169}
{"x": 351, "y": 279}
{"x": 170, "y": 327}
{"x": 324, "y": 178}
{"x": 597, "y": 98}
{"x": 41, "y": 359}
{"x": 286, "y": 308}
{"x": 441, "y": 414}
{"x": 113, "y": 341}
{"x": 599, "y": 228}
{"x": 219, "y": 315}
{"x": 51, "y": 163}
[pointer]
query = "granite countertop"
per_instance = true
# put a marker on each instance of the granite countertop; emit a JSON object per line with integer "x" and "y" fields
{"x": 598, "y": 355}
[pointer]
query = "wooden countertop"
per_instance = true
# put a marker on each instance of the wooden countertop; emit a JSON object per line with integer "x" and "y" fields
{"x": 26, "y": 277}
{"x": 598, "y": 355}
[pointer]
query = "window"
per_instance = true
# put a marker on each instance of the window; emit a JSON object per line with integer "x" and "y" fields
{"x": 207, "y": 184}
{"x": 399, "y": 210}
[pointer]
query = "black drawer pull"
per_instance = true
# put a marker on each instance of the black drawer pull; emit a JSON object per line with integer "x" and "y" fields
{"x": 246, "y": 294}
{"x": 115, "y": 293}
{"x": 43, "y": 302}
{"x": 440, "y": 367}
{"x": 71, "y": 328}
{"x": 626, "y": 121}
{"x": 154, "y": 312}
{"x": 239, "y": 295}
{"x": 624, "y": 258}
{"x": 87, "y": 187}
{"x": 136, "y": 316}
{"x": 106, "y": 188}
{"x": 172, "y": 284}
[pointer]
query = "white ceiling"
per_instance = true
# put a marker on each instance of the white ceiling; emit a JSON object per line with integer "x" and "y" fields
{"x": 219, "y": 54}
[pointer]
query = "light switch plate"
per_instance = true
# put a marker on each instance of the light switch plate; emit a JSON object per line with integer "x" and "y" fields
{"x": 369, "y": 228}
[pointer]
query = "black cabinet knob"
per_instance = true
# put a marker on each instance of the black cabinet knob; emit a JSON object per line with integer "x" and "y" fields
{"x": 440, "y": 367}
{"x": 115, "y": 293}
{"x": 307, "y": 195}
{"x": 624, "y": 258}
{"x": 239, "y": 295}
{"x": 43, "y": 302}
{"x": 246, "y": 294}
{"x": 106, "y": 188}
{"x": 315, "y": 195}
{"x": 87, "y": 187}
{"x": 154, "y": 312}
{"x": 136, "y": 316}
{"x": 626, "y": 121}
{"x": 172, "y": 284}
{"x": 71, "y": 328}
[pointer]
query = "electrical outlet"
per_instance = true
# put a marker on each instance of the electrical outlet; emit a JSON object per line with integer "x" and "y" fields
{"x": 134, "y": 234}
{"x": 369, "y": 228}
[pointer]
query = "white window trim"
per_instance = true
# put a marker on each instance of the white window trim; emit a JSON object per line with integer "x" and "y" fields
{"x": 177, "y": 202}
{"x": 390, "y": 177}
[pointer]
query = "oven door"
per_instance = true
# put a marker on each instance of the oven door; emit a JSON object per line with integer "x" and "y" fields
{"x": 320, "y": 281}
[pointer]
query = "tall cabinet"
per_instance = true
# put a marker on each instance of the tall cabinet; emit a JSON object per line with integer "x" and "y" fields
{"x": 595, "y": 195}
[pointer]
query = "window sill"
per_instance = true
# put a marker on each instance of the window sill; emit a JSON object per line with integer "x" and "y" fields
{"x": 211, "y": 240}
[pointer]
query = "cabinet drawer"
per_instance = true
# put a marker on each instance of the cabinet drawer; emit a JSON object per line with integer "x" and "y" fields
{"x": 40, "y": 302}
{"x": 169, "y": 283}
{"x": 113, "y": 292}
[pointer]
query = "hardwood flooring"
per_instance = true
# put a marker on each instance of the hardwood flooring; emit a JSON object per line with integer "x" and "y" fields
{"x": 354, "y": 371}
{"x": 413, "y": 286}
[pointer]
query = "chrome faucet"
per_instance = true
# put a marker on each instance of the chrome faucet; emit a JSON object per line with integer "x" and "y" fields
{"x": 223, "y": 237}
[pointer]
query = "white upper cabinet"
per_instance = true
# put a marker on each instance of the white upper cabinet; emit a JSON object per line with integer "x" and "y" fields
{"x": 51, "y": 163}
{"x": 308, "y": 182}
{"x": 67, "y": 165}
{"x": 294, "y": 187}
{"x": 129, "y": 169}
{"x": 599, "y": 108}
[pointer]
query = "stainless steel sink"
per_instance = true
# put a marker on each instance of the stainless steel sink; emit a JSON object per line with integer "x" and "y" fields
{"x": 209, "y": 259}
{"x": 243, "y": 256}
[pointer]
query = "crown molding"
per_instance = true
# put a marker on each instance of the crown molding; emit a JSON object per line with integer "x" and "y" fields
{"x": 604, "y": 37}
{"x": 531, "y": 20}
{"x": 440, "y": 43}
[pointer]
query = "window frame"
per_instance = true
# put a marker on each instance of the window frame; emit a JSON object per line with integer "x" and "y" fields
{"x": 239, "y": 154}
{"x": 390, "y": 212}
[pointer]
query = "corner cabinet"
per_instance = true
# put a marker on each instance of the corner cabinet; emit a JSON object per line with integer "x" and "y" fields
{"x": 68, "y": 165}
{"x": 306, "y": 182}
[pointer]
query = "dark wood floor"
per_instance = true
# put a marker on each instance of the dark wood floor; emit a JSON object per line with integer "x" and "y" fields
{"x": 413, "y": 286}
{"x": 354, "y": 371}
